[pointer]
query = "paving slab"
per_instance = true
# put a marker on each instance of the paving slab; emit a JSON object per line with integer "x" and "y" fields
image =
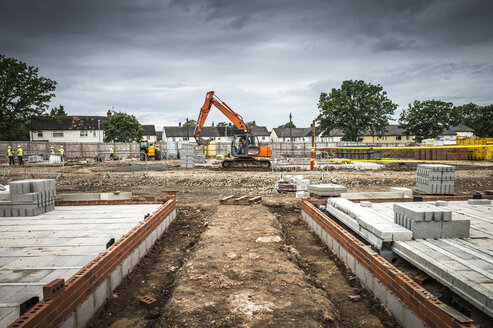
{"x": 38, "y": 249}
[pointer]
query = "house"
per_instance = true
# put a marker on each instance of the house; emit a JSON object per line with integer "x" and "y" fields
{"x": 393, "y": 134}
{"x": 69, "y": 129}
{"x": 289, "y": 134}
{"x": 149, "y": 133}
{"x": 334, "y": 136}
{"x": 460, "y": 130}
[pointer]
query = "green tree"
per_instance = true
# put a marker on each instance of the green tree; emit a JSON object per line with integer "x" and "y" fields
{"x": 251, "y": 124}
{"x": 287, "y": 125}
{"x": 427, "y": 119}
{"x": 122, "y": 127}
{"x": 222, "y": 124}
{"x": 58, "y": 111}
{"x": 354, "y": 108}
{"x": 479, "y": 118}
{"x": 190, "y": 123}
{"x": 24, "y": 96}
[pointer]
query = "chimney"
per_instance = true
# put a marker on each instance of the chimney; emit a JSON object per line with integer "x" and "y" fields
{"x": 179, "y": 124}
{"x": 108, "y": 113}
{"x": 212, "y": 123}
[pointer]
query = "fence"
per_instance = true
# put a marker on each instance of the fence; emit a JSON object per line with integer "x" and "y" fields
{"x": 43, "y": 164}
{"x": 4, "y": 166}
{"x": 122, "y": 163}
{"x": 299, "y": 160}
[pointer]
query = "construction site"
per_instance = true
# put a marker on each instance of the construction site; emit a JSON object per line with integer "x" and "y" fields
{"x": 187, "y": 242}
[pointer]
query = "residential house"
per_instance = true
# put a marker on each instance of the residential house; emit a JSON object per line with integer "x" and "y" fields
{"x": 69, "y": 129}
{"x": 214, "y": 133}
{"x": 460, "y": 130}
{"x": 393, "y": 134}
{"x": 149, "y": 133}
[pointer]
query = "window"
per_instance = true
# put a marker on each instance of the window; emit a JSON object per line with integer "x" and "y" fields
{"x": 40, "y": 134}
{"x": 83, "y": 133}
{"x": 407, "y": 137}
{"x": 283, "y": 139}
{"x": 263, "y": 138}
{"x": 398, "y": 138}
{"x": 57, "y": 134}
{"x": 185, "y": 139}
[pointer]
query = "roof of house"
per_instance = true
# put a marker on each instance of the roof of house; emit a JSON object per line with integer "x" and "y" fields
{"x": 149, "y": 130}
{"x": 459, "y": 128}
{"x": 292, "y": 132}
{"x": 71, "y": 123}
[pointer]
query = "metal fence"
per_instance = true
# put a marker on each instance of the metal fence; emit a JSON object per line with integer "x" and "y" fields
{"x": 122, "y": 163}
{"x": 4, "y": 166}
{"x": 300, "y": 160}
{"x": 43, "y": 165}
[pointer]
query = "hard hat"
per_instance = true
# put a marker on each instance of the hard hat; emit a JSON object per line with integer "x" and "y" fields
{"x": 61, "y": 146}
{"x": 9, "y": 147}
{"x": 19, "y": 146}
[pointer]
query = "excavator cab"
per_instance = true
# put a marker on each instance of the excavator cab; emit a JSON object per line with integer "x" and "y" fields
{"x": 245, "y": 145}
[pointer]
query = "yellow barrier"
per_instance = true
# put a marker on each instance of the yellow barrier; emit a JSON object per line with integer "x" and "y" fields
{"x": 479, "y": 148}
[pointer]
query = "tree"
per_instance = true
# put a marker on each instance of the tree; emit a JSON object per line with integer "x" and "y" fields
{"x": 479, "y": 118}
{"x": 427, "y": 119}
{"x": 222, "y": 124}
{"x": 122, "y": 127}
{"x": 24, "y": 96}
{"x": 354, "y": 108}
{"x": 287, "y": 125}
{"x": 251, "y": 124}
{"x": 190, "y": 123}
{"x": 58, "y": 111}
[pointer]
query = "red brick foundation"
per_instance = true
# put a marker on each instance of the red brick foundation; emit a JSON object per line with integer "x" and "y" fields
{"x": 423, "y": 304}
{"x": 80, "y": 286}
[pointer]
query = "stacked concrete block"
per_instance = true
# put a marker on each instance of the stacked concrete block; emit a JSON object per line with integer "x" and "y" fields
{"x": 430, "y": 221}
{"x": 28, "y": 198}
{"x": 187, "y": 153}
{"x": 479, "y": 201}
{"x": 199, "y": 158}
{"x": 326, "y": 190}
{"x": 435, "y": 178}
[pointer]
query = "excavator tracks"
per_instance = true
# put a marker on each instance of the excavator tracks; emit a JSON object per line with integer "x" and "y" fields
{"x": 242, "y": 164}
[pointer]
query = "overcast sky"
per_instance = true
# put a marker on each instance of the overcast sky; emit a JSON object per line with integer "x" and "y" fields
{"x": 157, "y": 59}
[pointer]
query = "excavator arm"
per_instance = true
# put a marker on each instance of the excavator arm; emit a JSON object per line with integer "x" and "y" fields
{"x": 212, "y": 99}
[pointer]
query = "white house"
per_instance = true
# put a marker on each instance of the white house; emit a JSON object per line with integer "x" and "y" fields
{"x": 69, "y": 129}
{"x": 214, "y": 133}
{"x": 149, "y": 133}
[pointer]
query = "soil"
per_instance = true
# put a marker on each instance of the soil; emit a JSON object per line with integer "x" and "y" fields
{"x": 243, "y": 266}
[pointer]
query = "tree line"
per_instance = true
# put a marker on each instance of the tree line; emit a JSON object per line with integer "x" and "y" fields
{"x": 356, "y": 108}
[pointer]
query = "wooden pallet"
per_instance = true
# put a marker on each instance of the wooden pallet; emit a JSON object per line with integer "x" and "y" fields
{"x": 240, "y": 200}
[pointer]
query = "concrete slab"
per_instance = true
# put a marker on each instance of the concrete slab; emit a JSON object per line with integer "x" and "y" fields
{"x": 36, "y": 250}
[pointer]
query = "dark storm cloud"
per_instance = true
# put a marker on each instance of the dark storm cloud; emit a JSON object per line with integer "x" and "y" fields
{"x": 157, "y": 58}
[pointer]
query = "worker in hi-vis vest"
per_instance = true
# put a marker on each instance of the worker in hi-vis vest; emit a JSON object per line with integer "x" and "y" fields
{"x": 10, "y": 154}
{"x": 62, "y": 152}
{"x": 19, "y": 155}
{"x": 112, "y": 152}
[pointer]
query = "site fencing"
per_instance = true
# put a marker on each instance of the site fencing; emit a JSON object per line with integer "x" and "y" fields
{"x": 4, "y": 166}
{"x": 122, "y": 163}
{"x": 43, "y": 165}
{"x": 300, "y": 161}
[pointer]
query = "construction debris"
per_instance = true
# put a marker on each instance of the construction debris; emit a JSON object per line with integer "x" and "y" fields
{"x": 242, "y": 200}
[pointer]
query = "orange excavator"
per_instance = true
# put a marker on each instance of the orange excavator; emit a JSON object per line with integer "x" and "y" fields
{"x": 246, "y": 151}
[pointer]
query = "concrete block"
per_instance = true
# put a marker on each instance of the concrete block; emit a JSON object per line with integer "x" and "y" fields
{"x": 395, "y": 306}
{"x": 425, "y": 230}
{"x": 5, "y": 196}
{"x": 365, "y": 204}
{"x": 20, "y": 187}
{"x": 407, "y": 192}
{"x": 101, "y": 293}
{"x": 126, "y": 266}
{"x": 85, "y": 311}
{"x": 380, "y": 291}
{"x": 79, "y": 197}
{"x": 114, "y": 196}
{"x": 456, "y": 228}
{"x": 327, "y": 189}
{"x": 69, "y": 322}
{"x": 116, "y": 277}
{"x": 410, "y": 319}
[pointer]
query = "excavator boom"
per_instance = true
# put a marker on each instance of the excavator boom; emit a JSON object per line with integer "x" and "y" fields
{"x": 212, "y": 99}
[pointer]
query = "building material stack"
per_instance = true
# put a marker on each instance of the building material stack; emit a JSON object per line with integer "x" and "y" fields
{"x": 326, "y": 190}
{"x": 187, "y": 153}
{"x": 292, "y": 183}
{"x": 28, "y": 198}
{"x": 199, "y": 158}
{"x": 435, "y": 178}
{"x": 430, "y": 221}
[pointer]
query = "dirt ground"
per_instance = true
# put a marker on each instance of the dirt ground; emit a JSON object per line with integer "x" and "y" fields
{"x": 244, "y": 266}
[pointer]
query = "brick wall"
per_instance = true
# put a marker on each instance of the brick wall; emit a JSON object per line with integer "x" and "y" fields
{"x": 410, "y": 303}
{"x": 98, "y": 272}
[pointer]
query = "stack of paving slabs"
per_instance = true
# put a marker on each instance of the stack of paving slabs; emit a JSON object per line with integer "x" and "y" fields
{"x": 326, "y": 190}
{"x": 435, "y": 178}
{"x": 187, "y": 153}
{"x": 199, "y": 158}
{"x": 367, "y": 223}
{"x": 430, "y": 221}
{"x": 28, "y": 198}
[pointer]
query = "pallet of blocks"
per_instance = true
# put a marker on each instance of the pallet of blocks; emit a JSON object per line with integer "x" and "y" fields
{"x": 28, "y": 198}
{"x": 435, "y": 178}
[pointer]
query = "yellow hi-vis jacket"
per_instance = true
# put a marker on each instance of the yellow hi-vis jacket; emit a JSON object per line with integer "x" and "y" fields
{"x": 19, "y": 151}
{"x": 10, "y": 153}
{"x": 112, "y": 150}
{"x": 52, "y": 151}
{"x": 62, "y": 151}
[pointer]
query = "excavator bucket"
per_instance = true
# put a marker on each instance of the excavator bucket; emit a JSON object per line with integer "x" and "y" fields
{"x": 202, "y": 142}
